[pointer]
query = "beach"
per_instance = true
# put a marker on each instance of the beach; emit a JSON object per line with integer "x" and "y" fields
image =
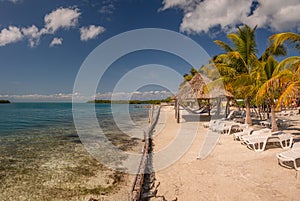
{"x": 230, "y": 172}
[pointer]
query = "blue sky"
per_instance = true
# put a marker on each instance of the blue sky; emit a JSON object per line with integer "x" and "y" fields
{"x": 44, "y": 43}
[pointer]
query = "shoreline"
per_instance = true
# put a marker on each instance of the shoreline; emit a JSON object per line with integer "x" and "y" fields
{"x": 230, "y": 172}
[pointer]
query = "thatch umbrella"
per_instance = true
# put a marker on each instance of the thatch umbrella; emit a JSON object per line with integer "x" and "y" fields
{"x": 202, "y": 88}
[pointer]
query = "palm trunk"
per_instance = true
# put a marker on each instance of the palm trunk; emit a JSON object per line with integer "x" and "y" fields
{"x": 273, "y": 119}
{"x": 248, "y": 119}
{"x": 227, "y": 109}
{"x": 218, "y": 107}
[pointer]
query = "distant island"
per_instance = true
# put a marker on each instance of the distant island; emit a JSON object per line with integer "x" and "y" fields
{"x": 4, "y": 101}
{"x": 155, "y": 102}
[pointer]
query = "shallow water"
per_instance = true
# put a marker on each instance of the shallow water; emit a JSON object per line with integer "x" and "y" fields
{"x": 42, "y": 157}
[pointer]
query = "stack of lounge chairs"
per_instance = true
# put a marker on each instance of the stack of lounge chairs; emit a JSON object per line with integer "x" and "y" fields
{"x": 288, "y": 113}
{"x": 223, "y": 126}
{"x": 257, "y": 140}
{"x": 283, "y": 123}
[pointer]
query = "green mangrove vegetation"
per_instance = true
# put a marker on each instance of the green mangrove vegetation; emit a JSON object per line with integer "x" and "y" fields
{"x": 135, "y": 102}
{"x": 4, "y": 101}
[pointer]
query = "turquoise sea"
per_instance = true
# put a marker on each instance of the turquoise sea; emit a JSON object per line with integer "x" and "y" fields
{"x": 41, "y": 156}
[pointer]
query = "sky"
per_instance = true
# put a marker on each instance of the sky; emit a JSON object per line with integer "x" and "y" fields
{"x": 43, "y": 44}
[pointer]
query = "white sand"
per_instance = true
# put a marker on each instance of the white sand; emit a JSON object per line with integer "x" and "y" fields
{"x": 230, "y": 172}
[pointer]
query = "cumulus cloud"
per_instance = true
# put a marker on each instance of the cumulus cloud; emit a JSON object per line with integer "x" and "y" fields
{"x": 33, "y": 34}
{"x": 10, "y": 35}
{"x": 185, "y": 4}
{"x": 87, "y": 33}
{"x": 61, "y": 18}
{"x": 203, "y": 16}
{"x": 38, "y": 97}
{"x": 276, "y": 15}
{"x": 44, "y": 97}
{"x": 107, "y": 7}
{"x": 13, "y": 1}
{"x": 56, "y": 41}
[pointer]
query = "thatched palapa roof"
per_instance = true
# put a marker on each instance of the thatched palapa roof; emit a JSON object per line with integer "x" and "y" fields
{"x": 201, "y": 87}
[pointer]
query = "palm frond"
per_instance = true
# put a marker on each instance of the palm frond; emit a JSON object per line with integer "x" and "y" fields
{"x": 289, "y": 93}
{"x": 224, "y": 46}
{"x": 226, "y": 70}
{"x": 286, "y": 63}
{"x": 272, "y": 51}
{"x": 290, "y": 37}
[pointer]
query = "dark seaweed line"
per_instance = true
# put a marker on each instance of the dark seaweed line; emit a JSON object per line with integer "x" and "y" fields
{"x": 141, "y": 178}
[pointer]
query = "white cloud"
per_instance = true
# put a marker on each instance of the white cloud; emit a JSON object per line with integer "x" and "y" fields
{"x": 147, "y": 95}
{"x": 33, "y": 34}
{"x": 13, "y": 1}
{"x": 184, "y": 4}
{"x": 209, "y": 14}
{"x": 202, "y": 16}
{"x": 10, "y": 35}
{"x": 56, "y": 41}
{"x": 61, "y": 18}
{"x": 107, "y": 9}
{"x": 277, "y": 15}
{"x": 39, "y": 97}
{"x": 90, "y": 32}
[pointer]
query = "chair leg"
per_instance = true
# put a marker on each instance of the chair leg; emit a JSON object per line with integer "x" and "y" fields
{"x": 257, "y": 146}
{"x": 295, "y": 164}
{"x": 262, "y": 146}
{"x": 286, "y": 144}
{"x": 290, "y": 141}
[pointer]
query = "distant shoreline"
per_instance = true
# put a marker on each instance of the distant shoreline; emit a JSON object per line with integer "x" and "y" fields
{"x": 4, "y": 101}
{"x": 134, "y": 102}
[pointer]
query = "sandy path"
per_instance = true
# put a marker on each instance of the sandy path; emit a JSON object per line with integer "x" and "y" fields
{"x": 230, "y": 172}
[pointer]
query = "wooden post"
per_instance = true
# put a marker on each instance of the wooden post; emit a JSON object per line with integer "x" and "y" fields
{"x": 219, "y": 106}
{"x": 149, "y": 116}
{"x": 178, "y": 114}
{"x": 227, "y": 109}
{"x": 176, "y": 103}
{"x": 208, "y": 107}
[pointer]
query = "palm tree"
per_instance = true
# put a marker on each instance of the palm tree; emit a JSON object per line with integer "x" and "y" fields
{"x": 239, "y": 62}
{"x": 290, "y": 65}
{"x": 280, "y": 38}
{"x": 270, "y": 87}
{"x": 290, "y": 75}
{"x": 281, "y": 81}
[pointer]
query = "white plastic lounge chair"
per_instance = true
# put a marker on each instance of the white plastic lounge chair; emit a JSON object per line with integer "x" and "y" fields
{"x": 220, "y": 126}
{"x": 228, "y": 126}
{"x": 266, "y": 123}
{"x": 215, "y": 126}
{"x": 210, "y": 123}
{"x": 283, "y": 123}
{"x": 246, "y": 131}
{"x": 289, "y": 158}
{"x": 237, "y": 127}
{"x": 285, "y": 140}
{"x": 264, "y": 131}
{"x": 258, "y": 143}
{"x": 232, "y": 114}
